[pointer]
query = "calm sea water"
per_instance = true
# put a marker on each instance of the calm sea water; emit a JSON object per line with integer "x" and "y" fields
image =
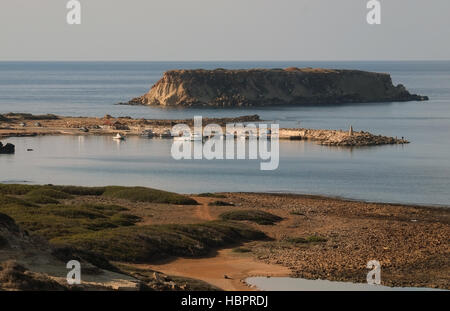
{"x": 415, "y": 173}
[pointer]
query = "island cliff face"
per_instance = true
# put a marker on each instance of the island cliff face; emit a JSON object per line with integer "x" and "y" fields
{"x": 264, "y": 87}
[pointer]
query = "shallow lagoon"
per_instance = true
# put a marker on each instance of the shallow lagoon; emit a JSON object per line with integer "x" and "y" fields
{"x": 294, "y": 284}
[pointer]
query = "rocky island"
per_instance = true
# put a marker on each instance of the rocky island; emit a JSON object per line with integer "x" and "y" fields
{"x": 265, "y": 87}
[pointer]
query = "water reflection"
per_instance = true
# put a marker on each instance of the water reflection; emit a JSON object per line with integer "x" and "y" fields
{"x": 382, "y": 173}
{"x": 297, "y": 284}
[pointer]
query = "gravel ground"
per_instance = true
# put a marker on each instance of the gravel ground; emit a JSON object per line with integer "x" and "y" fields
{"x": 410, "y": 242}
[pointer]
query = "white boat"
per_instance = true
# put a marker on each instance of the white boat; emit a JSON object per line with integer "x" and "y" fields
{"x": 119, "y": 137}
{"x": 166, "y": 134}
{"x": 191, "y": 137}
{"x": 196, "y": 137}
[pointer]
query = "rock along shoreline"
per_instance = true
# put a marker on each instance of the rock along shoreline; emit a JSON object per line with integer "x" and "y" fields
{"x": 23, "y": 125}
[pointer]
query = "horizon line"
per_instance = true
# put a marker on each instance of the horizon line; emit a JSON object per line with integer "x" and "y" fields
{"x": 225, "y": 61}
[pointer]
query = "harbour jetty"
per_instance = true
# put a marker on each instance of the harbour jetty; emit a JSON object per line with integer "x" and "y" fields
{"x": 340, "y": 137}
{"x": 272, "y": 87}
{"x": 23, "y": 125}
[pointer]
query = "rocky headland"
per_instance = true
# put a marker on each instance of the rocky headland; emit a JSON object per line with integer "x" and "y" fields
{"x": 269, "y": 87}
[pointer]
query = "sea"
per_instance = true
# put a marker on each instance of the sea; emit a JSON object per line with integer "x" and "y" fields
{"x": 416, "y": 173}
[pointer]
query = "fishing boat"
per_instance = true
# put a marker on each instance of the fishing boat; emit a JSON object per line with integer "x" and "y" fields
{"x": 166, "y": 134}
{"x": 148, "y": 133}
{"x": 191, "y": 137}
{"x": 119, "y": 137}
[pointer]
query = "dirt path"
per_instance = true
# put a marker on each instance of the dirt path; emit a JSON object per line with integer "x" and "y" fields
{"x": 237, "y": 267}
{"x": 203, "y": 211}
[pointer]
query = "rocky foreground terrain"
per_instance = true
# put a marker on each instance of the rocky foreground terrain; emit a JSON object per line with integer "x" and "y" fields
{"x": 136, "y": 238}
{"x": 31, "y": 260}
{"x": 266, "y": 87}
{"x": 334, "y": 239}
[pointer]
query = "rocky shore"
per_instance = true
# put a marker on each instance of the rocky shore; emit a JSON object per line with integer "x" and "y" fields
{"x": 7, "y": 149}
{"x": 21, "y": 125}
{"x": 334, "y": 239}
{"x": 271, "y": 87}
{"x": 341, "y": 138}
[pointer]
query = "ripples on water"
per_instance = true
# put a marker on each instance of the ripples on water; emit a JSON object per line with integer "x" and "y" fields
{"x": 415, "y": 173}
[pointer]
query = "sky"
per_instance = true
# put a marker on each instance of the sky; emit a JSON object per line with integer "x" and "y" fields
{"x": 224, "y": 30}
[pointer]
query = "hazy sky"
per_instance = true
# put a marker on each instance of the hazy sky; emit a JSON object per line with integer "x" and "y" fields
{"x": 224, "y": 30}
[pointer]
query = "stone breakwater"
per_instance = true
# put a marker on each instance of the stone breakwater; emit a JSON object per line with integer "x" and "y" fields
{"x": 340, "y": 137}
{"x": 22, "y": 125}
{"x": 270, "y": 87}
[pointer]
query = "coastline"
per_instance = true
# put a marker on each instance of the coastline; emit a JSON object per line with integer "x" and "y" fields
{"x": 337, "y": 255}
{"x": 26, "y": 125}
{"x": 307, "y": 236}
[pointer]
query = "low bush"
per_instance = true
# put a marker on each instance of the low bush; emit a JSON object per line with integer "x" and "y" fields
{"x": 220, "y": 203}
{"x": 155, "y": 242}
{"x": 40, "y": 199}
{"x": 241, "y": 250}
{"x": 49, "y": 192}
{"x": 77, "y": 190}
{"x": 13, "y": 189}
{"x": 29, "y": 116}
{"x": 259, "y": 217}
{"x": 309, "y": 239}
{"x": 212, "y": 195}
{"x": 141, "y": 194}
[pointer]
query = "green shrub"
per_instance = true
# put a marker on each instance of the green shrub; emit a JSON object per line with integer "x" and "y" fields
{"x": 29, "y": 116}
{"x": 6, "y": 201}
{"x": 212, "y": 195}
{"x": 77, "y": 212}
{"x": 220, "y": 203}
{"x": 141, "y": 194}
{"x": 124, "y": 220}
{"x": 148, "y": 243}
{"x": 13, "y": 189}
{"x": 298, "y": 213}
{"x": 48, "y": 192}
{"x": 259, "y": 217}
{"x": 316, "y": 239}
{"x": 41, "y": 199}
{"x": 58, "y": 220}
{"x": 310, "y": 239}
{"x": 3, "y": 242}
{"x": 241, "y": 250}
{"x": 105, "y": 208}
{"x": 77, "y": 190}
{"x": 69, "y": 253}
